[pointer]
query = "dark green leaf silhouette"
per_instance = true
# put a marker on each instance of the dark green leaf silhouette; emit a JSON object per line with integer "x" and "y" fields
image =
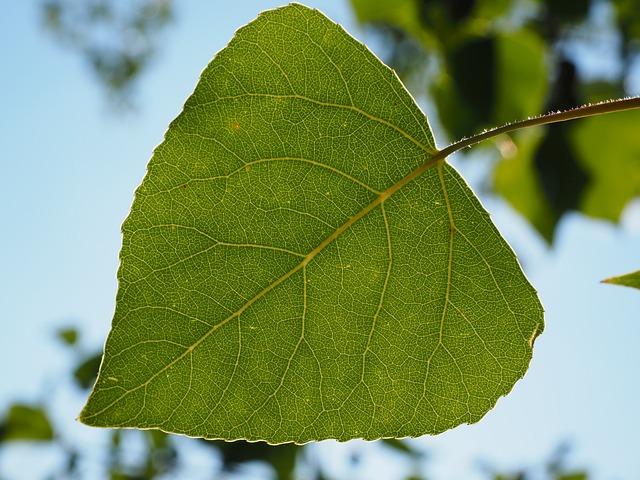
{"x": 116, "y": 40}
{"x": 25, "y": 423}
{"x": 85, "y": 372}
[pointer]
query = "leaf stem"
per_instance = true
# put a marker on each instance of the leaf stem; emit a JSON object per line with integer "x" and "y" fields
{"x": 588, "y": 110}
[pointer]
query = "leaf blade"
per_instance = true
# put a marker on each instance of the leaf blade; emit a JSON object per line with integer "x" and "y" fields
{"x": 261, "y": 291}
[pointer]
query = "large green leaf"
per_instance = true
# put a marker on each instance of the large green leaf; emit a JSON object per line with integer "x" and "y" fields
{"x": 300, "y": 264}
{"x": 629, "y": 280}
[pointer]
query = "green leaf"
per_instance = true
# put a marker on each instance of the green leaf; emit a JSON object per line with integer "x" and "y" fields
{"x": 515, "y": 179}
{"x": 68, "y": 336}
{"x": 25, "y": 423}
{"x": 403, "y": 14}
{"x": 565, "y": 170}
{"x": 573, "y": 476}
{"x": 609, "y": 149}
{"x": 282, "y": 458}
{"x": 300, "y": 264}
{"x": 629, "y": 280}
{"x": 521, "y": 85}
{"x": 402, "y": 447}
{"x": 86, "y": 371}
{"x": 492, "y": 80}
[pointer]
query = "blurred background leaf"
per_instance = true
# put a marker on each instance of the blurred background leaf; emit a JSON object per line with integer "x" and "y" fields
{"x": 26, "y": 423}
{"x": 87, "y": 369}
{"x": 485, "y": 63}
{"x": 117, "y": 40}
{"x": 67, "y": 335}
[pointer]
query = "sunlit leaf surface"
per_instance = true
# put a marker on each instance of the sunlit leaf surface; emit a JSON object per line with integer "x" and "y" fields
{"x": 629, "y": 280}
{"x": 298, "y": 265}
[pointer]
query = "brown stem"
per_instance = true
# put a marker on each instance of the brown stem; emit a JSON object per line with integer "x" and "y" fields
{"x": 589, "y": 110}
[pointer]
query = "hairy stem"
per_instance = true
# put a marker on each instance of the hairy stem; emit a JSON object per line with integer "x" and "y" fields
{"x": 590, "y": 110}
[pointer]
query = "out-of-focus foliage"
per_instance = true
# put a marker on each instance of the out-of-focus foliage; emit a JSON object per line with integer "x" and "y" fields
{"x": 25, "y": 422}
{"x": 488, "y": 62}
{"x": 68, "y": 336}
{"x": 161, "y": 454}
{"x": 481, "y": 62}
{"x": 554, "y": 468}
{"x": 117, "y": 39}
{"x": 609, "y": 148}
{"x": 85, "y": 372}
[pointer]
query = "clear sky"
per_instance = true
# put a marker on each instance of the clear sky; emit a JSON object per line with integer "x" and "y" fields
{"x": 69, "y": 167}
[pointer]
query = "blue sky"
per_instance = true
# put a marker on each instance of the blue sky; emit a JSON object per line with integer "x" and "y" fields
{"x": 69, "y": 167}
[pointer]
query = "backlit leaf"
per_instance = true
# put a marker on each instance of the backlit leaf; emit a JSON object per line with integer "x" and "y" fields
{"x": 85, "y": 372}
{"x": 300, "y": 264}
{"x": 629, "y": 280}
